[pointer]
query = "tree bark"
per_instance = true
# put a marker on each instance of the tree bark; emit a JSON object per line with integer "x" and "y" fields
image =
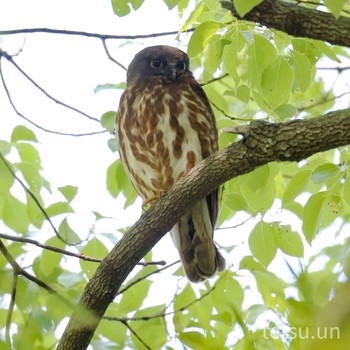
{"x": 297, "y": 20}
{"x": 262, "y": 143}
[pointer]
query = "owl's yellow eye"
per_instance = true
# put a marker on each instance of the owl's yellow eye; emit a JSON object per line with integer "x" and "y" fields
{"x": 156, "y": 63}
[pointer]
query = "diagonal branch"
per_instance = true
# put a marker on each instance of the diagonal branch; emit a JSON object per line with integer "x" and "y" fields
{"x": 297, "y": 20}
{"x": 33, "y": 123}
{"x": 262, "y": 143}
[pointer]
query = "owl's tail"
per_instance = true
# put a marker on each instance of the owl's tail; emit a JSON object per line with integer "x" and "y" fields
{"x": 193, "y": 237}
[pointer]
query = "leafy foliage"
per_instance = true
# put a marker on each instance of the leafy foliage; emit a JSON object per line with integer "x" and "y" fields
{"x": 276, "y": 290}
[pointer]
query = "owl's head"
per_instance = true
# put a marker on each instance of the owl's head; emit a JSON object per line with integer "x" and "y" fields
{"x": 159, "y": 61}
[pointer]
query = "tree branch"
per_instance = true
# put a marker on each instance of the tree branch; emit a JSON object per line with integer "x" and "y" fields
{"x": 33, "y": 123}
{"x": 19, "y": 271}
{"x": 297, "y": 20}
{"x": 262, "y": 143}
{"x": 90, "y": 35}
{"x": 9, "y": 58}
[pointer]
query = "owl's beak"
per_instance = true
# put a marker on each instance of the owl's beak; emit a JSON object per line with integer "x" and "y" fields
{"x": 172, "y": 71}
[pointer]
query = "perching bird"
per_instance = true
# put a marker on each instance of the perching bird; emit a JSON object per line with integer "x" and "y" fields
{"x": 165, "y": 127}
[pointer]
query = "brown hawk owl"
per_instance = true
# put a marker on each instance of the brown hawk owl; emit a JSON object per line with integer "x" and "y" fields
{"x": 165, "y": 127}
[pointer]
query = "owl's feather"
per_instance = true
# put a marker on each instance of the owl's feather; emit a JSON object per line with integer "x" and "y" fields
{"x": 165, "y": 127}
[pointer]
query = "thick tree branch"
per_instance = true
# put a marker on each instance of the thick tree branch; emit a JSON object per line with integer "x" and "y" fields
{"x": 298, "y": 21}
{"x": 262, "y": 143}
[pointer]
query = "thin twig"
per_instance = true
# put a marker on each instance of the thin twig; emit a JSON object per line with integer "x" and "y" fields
{"x": 10, "y": 59}
{"x": 125, "y": 323}
{"x": 323, "y": 101}
{"x": 19, "y": 271}
{"x": 215, "y": 79}
{"x": 235, "y": 226}
{"x": 226, "y": 115}
{"x": 339, "y": 69}
{"x": 49, "y": 247}
{"x": 35, "y": 124}
{"x": 91, "y": 35}
{"x": 148, "y": 263}
{"x": 121, "y": 291}
{"x": 161, "y": 313}
{"x": 32, "y": 195}
{"x": 110, "y": 56}
{"x": 11, "y": 308}
{"x": 66, "y": 252}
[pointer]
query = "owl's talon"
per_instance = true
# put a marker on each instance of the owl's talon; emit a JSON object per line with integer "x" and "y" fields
{"x": 151, "y": 200}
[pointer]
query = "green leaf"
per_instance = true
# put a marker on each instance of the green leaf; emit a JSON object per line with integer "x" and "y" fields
{"x": 276, "y": 82}
{"x": 260, "y": 55}
{"x": 116, "y": 332}
{"x": 171, "y": 3}
{"x": 96, "y": 249}
{"x": 69, "y": 192}
{"x": 333, "y": 208}
{"x": 346, "y": 190}
{"x": 296, "y": 186}
{"x": 32, "y": 176}
{"x": 272, "y": 289}
{"x": 6, "y": 178}
{"x": 117, "y": 182}
{"x": 14, "y": 214}
{"x": 69, "y": 279}
{"x": 244, "y": 6}
{"x": 259, "y": 187}
{"x": 113, "y": 144}
{"x": 335, "y": 6}
{"x": 185, "y": 297}
{"x": 136, "y": 4}
{"x": 58, "y": 208}
{"x": 234, "y": 57}
{"x": 312, "y": 214}
{"x": 133, "y": 297}
{"x": 152, "y": 331}
{"x": 199, "y": 10}
{"x": 201, "y": 36}
{"x": 262, "y": 243}
{"x": 22, "y": 133}
{"x": 235, "y": 201}
{"x": 193, "y": 339}
{"x": 254, "y": 311}
{"x": 111, "y": 179}
{"x": 49, "y": 260}
{"x": 324, "y": 172}
{"x": 225, "y": 287}
{"x": 28, "y": 153}
{"x": 243, "y": 93}
{"x": 67, "y": 233}
{"x": 108, "y": 121}
{"x": 287, "y": 240}
{"x": 121, "y": 7}
{"x": 327, "y": 50}
{"x": 302, "y": 70}
{"x": 286, "y": 111}
{"x": 107, "y": 86}
{"x": 5, "y": 147}
{"x": 34, "y": 213}
{"x": 251, "y": 264}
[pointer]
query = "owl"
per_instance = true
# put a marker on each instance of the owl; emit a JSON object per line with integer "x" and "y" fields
{"x": 165, "y": 126}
